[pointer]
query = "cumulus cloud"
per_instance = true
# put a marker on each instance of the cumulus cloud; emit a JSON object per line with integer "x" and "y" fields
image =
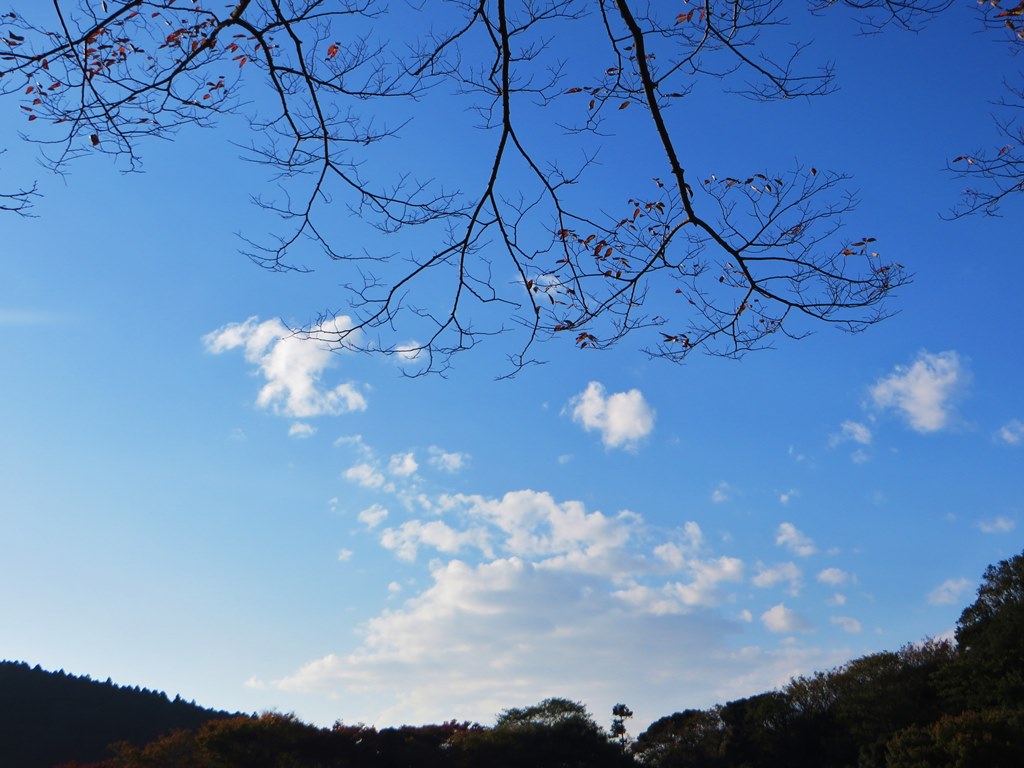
{"x": 949, "y": 592}
{"x": 923, "y": 392}
{"x": 526, "y": 595}
{"x": 447, "y": 461}
{"x": 291, "y": 365}
{"x": 846, "y": 623}
{"x": 999, "y": 525}
{"x": 507, "y": 630}
{"x": 403, "y": 464}
{"x": 561, "y": 535}
{"x": 788, "y": 536}
{"x": 787, "y": 496}
{"x": 406, "y": 540}
{"x": 344, "y": 555}
{"x": 834, "y": 577}
{"x": 623, "y": 418}
{"x": 1012, "y": 432}
{"x": 783, "y": 573}
{"x": 779, "y": 618}
{"x": 373, "y": 515}
{"x": 704, "y": 588}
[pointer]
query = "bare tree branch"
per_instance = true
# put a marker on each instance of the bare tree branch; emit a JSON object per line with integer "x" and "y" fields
{"x": 513, "y": 242}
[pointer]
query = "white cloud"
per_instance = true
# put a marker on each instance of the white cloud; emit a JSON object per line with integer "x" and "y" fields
{"x": 344, "y": 555}
{"x": 447, "y": 461}
{"x": 1012, "y": 432}
{"x": 373, "y": 515}
{"x": 788, "y": 536}
{"x": 365, "y": 475}
{"x": 409, "y": 352}
{"x": 779, "y": 618}
{"x": 292, "y": 366}
{"x": 949, "y": 592}
{"x": 782, "y": 573}
{"x": 703, "y": 589}
{"x": 923, "y": 391}
{"x": 406, "y": 540}
{"x": 301, "y": 429}
{"x": 788, "y": 496}
{"x": 561, "y": 535}
{"x": 528, "y": 595}
{"x": 623, "y": 418}
{"x": 837, "y": 599}
{"x": 834, "y": 577}
{"x": 846, "y": 623}
{"x": 506, "y": 631}
{"x": 721, "y": 493}
{"x": 403, "y": 464}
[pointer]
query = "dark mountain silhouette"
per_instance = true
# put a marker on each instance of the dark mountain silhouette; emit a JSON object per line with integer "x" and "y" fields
{"x": 47, "y": 718}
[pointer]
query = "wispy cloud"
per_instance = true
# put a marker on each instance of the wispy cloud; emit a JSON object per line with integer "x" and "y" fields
{"x": 846, "y": 623}
{"x": 787, "y": 496}
{"x": 998, "y": 525}
{"x": 923, "y": 392}
{"x": 721, "y": 493}
{"x": 623, "y": 418}
{"x": 1012, "y": 432}
{"x": 949, "y": 592}
{"x": 834, "y": 577}
{"x": 779, "y": 618}
{"x": 301, "y": 429}
{"x": 853, "y": 431}
{"x": 27, "y": 318}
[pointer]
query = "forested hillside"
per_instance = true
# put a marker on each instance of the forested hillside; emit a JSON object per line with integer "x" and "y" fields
{"x": 50, "y": 717}
{"x": 928, "y": 704}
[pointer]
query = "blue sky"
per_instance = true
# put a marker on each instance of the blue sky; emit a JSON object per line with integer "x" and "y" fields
{"x": 191, "y": 500}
